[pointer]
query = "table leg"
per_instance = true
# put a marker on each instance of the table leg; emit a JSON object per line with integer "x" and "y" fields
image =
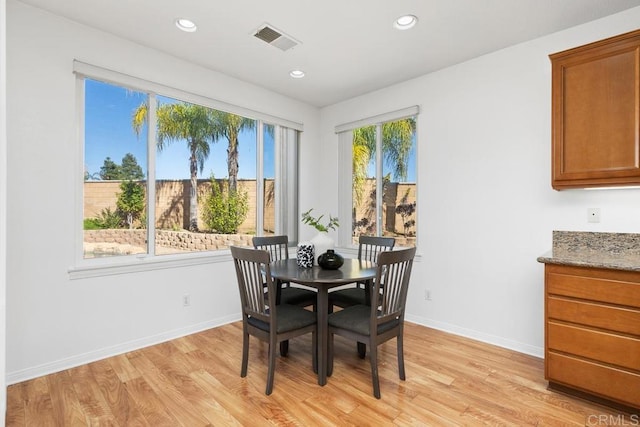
{"x": 284, "y": 348}
{"x": 362, "y": 350}
{"x": 323, "y": 335}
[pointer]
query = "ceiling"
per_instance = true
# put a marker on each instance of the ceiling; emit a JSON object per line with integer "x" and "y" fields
{"x": 347, "y": 47}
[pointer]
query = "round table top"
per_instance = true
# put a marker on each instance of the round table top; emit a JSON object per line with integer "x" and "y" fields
{"x": 352, "y": 270}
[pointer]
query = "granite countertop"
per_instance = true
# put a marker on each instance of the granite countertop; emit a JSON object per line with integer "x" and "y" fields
{"x": 618, "y": 251}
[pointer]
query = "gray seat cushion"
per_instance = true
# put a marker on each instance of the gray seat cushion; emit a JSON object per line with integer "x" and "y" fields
{"x": 357, "y": 319}
{"x": 349, "y": 296}
{"x": 290, "y": 317}
{"x": 296, "y": 296}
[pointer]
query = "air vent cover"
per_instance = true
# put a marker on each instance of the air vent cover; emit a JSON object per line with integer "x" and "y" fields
{"x": 274, "y": 37}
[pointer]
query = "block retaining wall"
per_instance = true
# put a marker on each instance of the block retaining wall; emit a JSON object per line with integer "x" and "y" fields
{"x": 118, "y": 241}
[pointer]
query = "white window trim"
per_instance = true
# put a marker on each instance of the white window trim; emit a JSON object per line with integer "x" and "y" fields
{"x": 286, "y": 185}
{"x": 345, "y": 193}
{"x": 260, "y": 126}
{"x": 151, "y": 173}
{"x": 134, "y": 264}
{"x": 85, "y": 268}
{"x": 391, "y": 116}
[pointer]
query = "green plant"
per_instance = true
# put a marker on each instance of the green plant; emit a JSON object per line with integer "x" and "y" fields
{"x": 225, "y": 209}
{"x": 107, "y": 219}
{"x": 308, "y": 219}
{"x": 92, "y": 224}
{"x": 143, "y": 220}
{"x": 111, "y": 219}
{"x": 131, "y": 201}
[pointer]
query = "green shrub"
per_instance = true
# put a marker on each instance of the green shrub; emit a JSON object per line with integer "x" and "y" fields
{"x": 224, "y": 210}
{"x": 92, "y": 224}
{"x": 107, "y": 219}
{"x": 143, "y": 220}
{"x": 130, "y": 201}
{"x": 111, "y": 219}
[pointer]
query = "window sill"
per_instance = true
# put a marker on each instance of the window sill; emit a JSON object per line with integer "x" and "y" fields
{"x": 135, "y": 264}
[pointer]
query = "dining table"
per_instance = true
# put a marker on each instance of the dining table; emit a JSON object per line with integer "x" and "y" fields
{"x": 352, "y": 271}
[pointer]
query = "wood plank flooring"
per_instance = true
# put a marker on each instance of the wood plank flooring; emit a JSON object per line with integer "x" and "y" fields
{"x": 195, "y": 381}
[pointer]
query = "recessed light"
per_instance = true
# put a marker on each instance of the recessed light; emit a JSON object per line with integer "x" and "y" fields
{"x": 296, "y": 74}
{"x": 186, "y": 25}
{"x": 405, "y": 22}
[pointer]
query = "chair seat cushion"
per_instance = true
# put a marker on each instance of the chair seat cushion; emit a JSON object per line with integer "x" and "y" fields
{"x": 357, "y": 319}
{"x": 290, "y": 317}
{"x": 347, "y": 297}
{"x": 296, "y": 296}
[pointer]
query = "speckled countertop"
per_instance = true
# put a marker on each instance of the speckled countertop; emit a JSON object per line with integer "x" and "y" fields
{"x": 618, "y": 251}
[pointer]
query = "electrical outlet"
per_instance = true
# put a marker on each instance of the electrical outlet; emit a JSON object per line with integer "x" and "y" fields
{"x": 427, "y": 294}
{"x": 186, "y": 300}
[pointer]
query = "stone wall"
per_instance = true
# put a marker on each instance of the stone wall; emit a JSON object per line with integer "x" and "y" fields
{"x": 118, "y": 236}
{"x": 187, "y": 241}
{"x": 127, "y": 242}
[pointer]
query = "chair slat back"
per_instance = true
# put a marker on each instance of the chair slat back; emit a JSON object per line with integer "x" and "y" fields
{"x": 389, "y": 295}
{"x": 370, "y": 246}
{"x": 253, "y": 270}
{"x": 277, "y": 246}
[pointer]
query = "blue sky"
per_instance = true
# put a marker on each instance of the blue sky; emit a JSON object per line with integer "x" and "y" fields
{"x": 108, "y": 133}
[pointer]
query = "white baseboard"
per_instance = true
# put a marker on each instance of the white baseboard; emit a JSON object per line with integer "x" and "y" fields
{"x": 478, "y": 336}
{"x": 92, "y": 356}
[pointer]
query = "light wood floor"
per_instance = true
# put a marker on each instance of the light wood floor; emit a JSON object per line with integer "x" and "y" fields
{"x": 195, "y": 381}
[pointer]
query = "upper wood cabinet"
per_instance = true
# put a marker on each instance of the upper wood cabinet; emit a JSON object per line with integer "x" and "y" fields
{"x": 596, "y": 114}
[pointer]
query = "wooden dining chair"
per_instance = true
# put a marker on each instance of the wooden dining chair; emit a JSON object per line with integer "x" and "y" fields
{"x": 368, "y": 249}
{"x": 383, "y": 319}
{"x": 278, "y": 248}
{"x": 263, "y": 318}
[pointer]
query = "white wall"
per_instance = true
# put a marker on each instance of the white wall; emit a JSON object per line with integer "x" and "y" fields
{"x": 486, "y": 207}
{"x": 3, "y": 209}
{"x": 54, "y": 322}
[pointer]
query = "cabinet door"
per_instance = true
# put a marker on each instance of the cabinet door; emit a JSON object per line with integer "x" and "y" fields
{"x": 596, "y": 114}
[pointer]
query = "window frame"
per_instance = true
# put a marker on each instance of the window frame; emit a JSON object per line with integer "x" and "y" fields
{"x": 95, "y": 267}
{"x": 344, "y": 133}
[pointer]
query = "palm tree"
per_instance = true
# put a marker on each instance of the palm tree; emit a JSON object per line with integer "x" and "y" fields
{"x": 397, "y": 139}
{"x": 229, "y": 125}
{"x": 364, "y": 146}
{"x": 189, "y": 122}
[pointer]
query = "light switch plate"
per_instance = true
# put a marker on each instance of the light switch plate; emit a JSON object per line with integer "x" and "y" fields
{"x": 593, "y": 215}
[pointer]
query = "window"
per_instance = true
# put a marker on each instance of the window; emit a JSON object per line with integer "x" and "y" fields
{"x": 164, "y": 175}
{"x": 380, "y": 157}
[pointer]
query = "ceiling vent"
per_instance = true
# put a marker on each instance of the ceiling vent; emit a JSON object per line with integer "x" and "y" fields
{"x": 275, "y": 37}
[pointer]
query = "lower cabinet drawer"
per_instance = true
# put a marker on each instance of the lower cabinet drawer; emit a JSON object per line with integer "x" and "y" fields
{"x": 610, "y": 348}
{"x": 611, "y": 383}
{"x": 592, "y": 284}
{"x": 603, "y": 316}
